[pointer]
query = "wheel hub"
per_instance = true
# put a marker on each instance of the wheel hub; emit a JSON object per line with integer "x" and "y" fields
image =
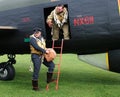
{"x": 3, "y": 73}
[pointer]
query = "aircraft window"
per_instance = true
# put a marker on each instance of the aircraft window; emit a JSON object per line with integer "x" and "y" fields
{"x": 55, "y": 23}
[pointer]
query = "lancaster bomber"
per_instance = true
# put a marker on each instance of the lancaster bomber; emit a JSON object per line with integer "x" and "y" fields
{"x": 94, "y": 29}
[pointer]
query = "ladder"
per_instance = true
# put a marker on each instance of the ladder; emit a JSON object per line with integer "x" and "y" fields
{"x": 60, "y": 48}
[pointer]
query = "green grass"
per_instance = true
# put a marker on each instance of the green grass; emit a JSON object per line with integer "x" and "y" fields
{"x": 77, "y": 79}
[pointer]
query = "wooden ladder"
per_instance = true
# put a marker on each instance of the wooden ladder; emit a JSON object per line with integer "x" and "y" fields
{"x": 57, "y": 45}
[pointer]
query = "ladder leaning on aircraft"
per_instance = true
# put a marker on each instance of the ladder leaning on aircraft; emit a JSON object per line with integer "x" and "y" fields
{"x": 57, "y": 65}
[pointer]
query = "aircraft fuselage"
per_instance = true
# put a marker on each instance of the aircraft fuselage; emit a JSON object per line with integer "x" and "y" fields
{"x": 93, "y": 26}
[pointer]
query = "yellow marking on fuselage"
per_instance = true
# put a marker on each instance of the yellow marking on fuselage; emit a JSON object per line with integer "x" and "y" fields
{"x": 107, "y": 61}
{"x": 119, "y": 6}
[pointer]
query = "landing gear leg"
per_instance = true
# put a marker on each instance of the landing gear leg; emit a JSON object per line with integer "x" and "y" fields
{"x": 7, "y": 71}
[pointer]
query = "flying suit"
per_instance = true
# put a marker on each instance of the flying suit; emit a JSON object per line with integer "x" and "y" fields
{"x": 60, "y": 21}
{"x": 38, "y": 48}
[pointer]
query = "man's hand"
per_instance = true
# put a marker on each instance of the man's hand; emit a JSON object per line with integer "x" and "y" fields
{"x": 50, "y": 24}
{"x": 47, "y": 51}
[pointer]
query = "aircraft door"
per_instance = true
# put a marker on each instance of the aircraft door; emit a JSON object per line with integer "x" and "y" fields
{"x": 56, "y": 27}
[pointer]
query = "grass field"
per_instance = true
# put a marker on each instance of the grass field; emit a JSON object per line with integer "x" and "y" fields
{"x": 77, "y": 79}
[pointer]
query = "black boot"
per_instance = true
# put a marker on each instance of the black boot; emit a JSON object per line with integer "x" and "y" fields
{"x": 35, "y": 85}
{"x": 49, "y": 77}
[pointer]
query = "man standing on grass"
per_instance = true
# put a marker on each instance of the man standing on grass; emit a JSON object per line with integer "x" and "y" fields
{"x": 38, "y": 49}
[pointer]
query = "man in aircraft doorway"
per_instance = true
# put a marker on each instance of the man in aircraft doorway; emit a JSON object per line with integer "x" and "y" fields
{"x": 38, "y": 49}
{"x": 58, "y": 20}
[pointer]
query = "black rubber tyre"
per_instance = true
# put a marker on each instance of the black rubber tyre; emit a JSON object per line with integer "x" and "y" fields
{"x": 8, "y": 73}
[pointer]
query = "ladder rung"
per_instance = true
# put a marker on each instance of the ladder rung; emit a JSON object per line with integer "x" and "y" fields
{"x": 56, "y": 72}
{"x": 57, "y": 47}
{"x": 58, "y": 55}
{"x": 57, "y": 64}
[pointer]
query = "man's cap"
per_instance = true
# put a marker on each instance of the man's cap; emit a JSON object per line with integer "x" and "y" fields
{"x": 37, "y": 29}
{"x": 60, "y": 5}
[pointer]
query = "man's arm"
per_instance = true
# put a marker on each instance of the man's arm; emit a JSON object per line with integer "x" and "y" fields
{"x": 49, "y": 20}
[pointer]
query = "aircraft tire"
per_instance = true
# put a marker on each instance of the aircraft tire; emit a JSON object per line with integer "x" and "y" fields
{"x": 8, "y": 73}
